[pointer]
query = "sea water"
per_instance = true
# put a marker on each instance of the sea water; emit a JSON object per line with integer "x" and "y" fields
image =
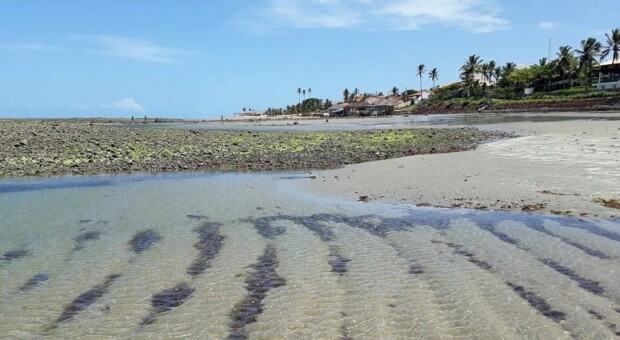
{"x": 249, "y": 256}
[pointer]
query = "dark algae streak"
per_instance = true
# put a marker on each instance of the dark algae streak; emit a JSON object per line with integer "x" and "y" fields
{"x": 33, "y": 282}
{"x": 261, "y": 279}
{"x": 83, "y": 237}
{"x": 86, "y": 299}
{"x": 209, "y": 245}
{"x": 537, "y": 302}
{"x": 167, "y": 300}
{"x": 587, "y": 284}
{"x": 15, "y": 254}
{"x": 143, "y": 240}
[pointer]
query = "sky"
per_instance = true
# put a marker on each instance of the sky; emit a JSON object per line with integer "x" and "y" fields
{"x": 203, "y": 59}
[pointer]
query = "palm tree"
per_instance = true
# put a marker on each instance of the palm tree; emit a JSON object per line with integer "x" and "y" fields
{"x": 590, "y": 49}
{"x": 542, "y": 62}
{"x": 309, "y": 92}
{"x": 613, "y": 45}
{"x": 491, "y": 72}
{"x": 485, "y": 71}
{"x": 420, "y": 73}
{"x": 469, "y": 70}
{"x": 395, "y": 91}
{"x": 509, "y": 68}
{"x": 304, "y": 93}
{"x": 244, "y": 110}
{"x": 434, "y": 75}
{"x": 299, "y": 94}
{"x": 498, "y": 73}
{"x": 345, "y": 94}
{"x": 565, "y": 62}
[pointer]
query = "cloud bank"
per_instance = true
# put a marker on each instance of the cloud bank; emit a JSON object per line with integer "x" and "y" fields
{"x": 478, "y": 16}
{"x": 138, "y": 49}
{"x": 128, "y": 104}
{"x": 108, "y": 45}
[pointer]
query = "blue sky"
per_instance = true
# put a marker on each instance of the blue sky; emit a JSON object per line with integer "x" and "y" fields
{"x": 203, "y": 59}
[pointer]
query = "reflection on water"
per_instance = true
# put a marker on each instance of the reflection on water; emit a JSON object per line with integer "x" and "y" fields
{"x": 245, "y": 256}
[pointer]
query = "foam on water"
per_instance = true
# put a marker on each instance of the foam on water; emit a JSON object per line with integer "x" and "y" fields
{"x": 245, "y": 256}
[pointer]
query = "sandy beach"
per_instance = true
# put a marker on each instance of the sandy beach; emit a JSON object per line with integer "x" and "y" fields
{"x": 559, "y": 167}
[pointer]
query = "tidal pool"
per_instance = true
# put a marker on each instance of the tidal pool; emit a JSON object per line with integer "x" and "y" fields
{"x": 248, "y": 256}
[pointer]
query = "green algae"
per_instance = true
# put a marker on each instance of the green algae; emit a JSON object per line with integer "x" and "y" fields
{"x": 72, "y": 148}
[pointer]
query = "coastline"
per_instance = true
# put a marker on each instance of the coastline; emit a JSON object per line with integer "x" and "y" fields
{"x": 558, "y": 167}
{"x": 561, "y": 168}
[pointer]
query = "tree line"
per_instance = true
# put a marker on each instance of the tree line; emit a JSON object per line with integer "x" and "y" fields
{"x": 487, "y": 79}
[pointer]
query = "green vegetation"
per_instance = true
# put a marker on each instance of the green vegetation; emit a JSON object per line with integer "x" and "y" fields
{"x": 569, "y": 76}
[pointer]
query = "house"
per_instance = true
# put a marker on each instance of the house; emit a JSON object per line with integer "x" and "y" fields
{"x": 609, "y": 75}
{"x": 419, "y": 96}
{"x": 373, "y": 106}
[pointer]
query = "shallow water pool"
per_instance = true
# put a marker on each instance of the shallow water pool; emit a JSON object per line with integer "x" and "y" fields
{"x": 248, "y": 256}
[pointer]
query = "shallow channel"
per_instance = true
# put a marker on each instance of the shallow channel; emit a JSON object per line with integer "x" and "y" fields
{"x": 247, "y": 256}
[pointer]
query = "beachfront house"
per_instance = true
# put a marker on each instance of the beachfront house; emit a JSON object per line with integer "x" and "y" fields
{"x": 374, "y": 106}
{"x": 609, "y": 75}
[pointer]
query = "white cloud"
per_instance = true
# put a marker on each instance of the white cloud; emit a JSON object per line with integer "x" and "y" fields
{"x": 30, "y": 46}
{"x": 125, "y": 104}
{"x": 131, "y": 48}
{"x": 477, "y": 16}
{"x": 547, "y": 25}
{"x": 115, "y": 46}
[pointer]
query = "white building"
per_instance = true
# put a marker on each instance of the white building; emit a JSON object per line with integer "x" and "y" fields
{"x": 609, "y": 75}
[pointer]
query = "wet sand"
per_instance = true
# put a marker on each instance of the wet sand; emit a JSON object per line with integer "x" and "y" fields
{"x": 559, "y": 167}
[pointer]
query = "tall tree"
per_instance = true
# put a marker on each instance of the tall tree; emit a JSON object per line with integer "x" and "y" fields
{"x": 395, "y": 91}
{"x": 434, "y": 75}
{"x": 590, "y": 50}
{"x": 345, "y": 94}
{"x": 299, "y": 94}
{"x": 304, "y": 93}
{"x": 491, "y": 72}
{"x": 613, "y": 46}
{"x": 485, "y": 71}
{"x": 420, "y": 73}
{"x": 309, "y": 92}
{"x": 470, "y": 68}
{"x": 565, "y": 62}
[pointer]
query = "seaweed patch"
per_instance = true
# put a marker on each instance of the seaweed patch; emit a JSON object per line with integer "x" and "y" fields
{"x": 264, "y": 227}
{"x": 167, "y": 300}
{"x": 197, "y": 217}
{"x": 588, "y": 226}
{"x": 537, "y": 302}
{"x": 15, "y": 254}
{"x": 337, "y": 261}
{"x": 587, "y": 284}
{"x": 84, "y": 237}
{"x": 471, "y": 257}
{"x": 143, "y": 240}
{"x": 33, "y": 282}
{"x": 209, "y": 246}
{"x": 258, "y": 283}
{"x": 86, "y": 299}
{"x": 537, "y": 223}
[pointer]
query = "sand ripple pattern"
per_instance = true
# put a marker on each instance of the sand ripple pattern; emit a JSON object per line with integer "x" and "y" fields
{"x": 425, "y": 274}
